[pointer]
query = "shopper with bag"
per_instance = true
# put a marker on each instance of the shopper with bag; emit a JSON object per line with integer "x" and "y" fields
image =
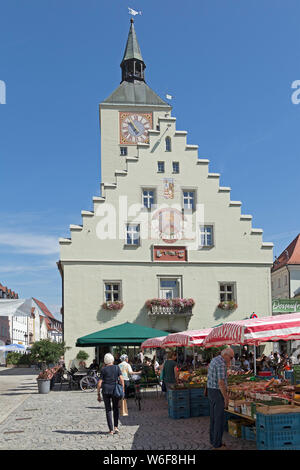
{"x": 126, "y": 370}
{"x": 112, "y": 384}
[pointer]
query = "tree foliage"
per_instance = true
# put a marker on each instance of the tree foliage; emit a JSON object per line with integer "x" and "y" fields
{"x": 46, "y": 351}
{"x": 82, "y": 356}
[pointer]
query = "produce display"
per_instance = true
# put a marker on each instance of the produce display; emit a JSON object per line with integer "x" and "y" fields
{"x": 191, "y": 379}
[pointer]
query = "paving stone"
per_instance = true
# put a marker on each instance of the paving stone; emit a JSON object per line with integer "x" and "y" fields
{"x": 74, "y": 420}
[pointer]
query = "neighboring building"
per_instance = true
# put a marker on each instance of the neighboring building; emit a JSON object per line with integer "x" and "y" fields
{"x": 286, "y": 272}
{"x": 285, "y": 278}
{"x": 13, "y": 329}
{"x": 50, "y": 327}
{"x": 147, "y": 160}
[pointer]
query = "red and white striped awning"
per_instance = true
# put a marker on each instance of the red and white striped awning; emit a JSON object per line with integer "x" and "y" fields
{"x": 186, "y": 338}
{"x": 256, "y": 331}
{"x": 153, "y": 342}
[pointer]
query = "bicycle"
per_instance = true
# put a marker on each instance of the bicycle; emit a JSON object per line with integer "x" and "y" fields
{"x": 89, "y": 382}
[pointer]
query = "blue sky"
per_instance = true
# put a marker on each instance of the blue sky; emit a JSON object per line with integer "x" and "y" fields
{"x": 229, "y": 64}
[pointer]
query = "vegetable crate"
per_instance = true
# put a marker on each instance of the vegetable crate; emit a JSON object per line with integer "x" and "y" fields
{"x": 178, "y": 412}
{"x": 278, "y": 440}
{"x": 249, "y": 433}
{"x": 199, "y": 410}
{"x": 179, "y": 398}
{"x": 277, "y": 422}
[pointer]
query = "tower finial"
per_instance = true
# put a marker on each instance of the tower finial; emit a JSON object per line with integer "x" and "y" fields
{"x": 132, "y": 65}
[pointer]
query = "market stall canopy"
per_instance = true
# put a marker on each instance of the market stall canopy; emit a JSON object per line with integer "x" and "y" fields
{"x": 153, "y": 342}
{"x": 15, "y": 307}
{"x": 129, "y": 334}
{"x": 13, "y": 347}
{"x": 186, "y": 338}
{"x": 255, "y": 331}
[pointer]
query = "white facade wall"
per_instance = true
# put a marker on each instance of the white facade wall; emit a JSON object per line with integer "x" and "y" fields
{"x": 238, "y": 255}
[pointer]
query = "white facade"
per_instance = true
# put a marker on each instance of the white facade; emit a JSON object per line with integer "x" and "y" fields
{"x": 90, "y": 261}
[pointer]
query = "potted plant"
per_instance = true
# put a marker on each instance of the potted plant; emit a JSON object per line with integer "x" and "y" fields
{"x": 46, "y": 352}
{"x": 82, "y": 356}
{"x": 43, "y": 380}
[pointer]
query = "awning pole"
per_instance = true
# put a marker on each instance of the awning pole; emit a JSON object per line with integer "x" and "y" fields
{"x": 194, "y": 356}
{"x": 254, "y": 351}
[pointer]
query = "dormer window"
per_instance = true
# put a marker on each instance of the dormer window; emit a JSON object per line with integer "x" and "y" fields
{"x": 168, "y": 144}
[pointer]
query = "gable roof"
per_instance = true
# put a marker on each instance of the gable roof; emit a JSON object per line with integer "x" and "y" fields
{"x": 290, "y": 256}
{"x": 44, "y": 309}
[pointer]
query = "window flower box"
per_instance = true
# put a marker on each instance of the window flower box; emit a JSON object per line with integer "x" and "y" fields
{"x": 113, "y": 305}
{"x": 227, "y": 305}
{"x": 177, "y": 303}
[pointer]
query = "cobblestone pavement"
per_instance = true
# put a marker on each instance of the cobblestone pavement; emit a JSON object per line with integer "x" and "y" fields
{"x": 16, "y": 384}
{"x": 75, "y": 420}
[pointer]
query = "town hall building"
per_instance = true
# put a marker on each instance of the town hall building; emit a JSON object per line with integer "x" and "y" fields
{"x": 164, "y": 246}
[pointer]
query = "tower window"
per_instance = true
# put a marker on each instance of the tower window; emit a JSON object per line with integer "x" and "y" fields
{"x": 168, "y": 144}
{"x": 189, "y": 199}
{"x": 148, "y": 198}
{"x": 160, "y": 167}
{"x": 123, "y": 151}
{"x": 133, "y": 234}
{"x": 175, "y": 167}
{"x": 206, "y": 235}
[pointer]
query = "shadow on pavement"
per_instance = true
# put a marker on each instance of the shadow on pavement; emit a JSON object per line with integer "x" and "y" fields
{"x": 81, "y": 432}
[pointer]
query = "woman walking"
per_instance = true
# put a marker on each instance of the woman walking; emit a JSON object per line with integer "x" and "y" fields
{"x": 110, "y": 375}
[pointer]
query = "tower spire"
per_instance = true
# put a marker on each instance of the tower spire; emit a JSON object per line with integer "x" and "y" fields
{"x": 132, "y": 65}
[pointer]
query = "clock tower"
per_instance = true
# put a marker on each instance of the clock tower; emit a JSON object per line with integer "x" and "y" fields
{"x": 129, "y": 114}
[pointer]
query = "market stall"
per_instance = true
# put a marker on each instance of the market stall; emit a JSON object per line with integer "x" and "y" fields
{"x": 264, "y": 409}
{"x": 153, "y": 343}
{"x": 186, "y": 338}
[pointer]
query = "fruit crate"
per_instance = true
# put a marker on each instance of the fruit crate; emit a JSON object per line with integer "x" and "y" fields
{"x": 178, "y": 396}
{"x": 196, "y": 392}
{"x": 179, "y": 412}
{"x": 277, "y": 422}
{"x": 278, "y": 440}
{"x": 199, "y": 411}
{"x": 249, "y": 433}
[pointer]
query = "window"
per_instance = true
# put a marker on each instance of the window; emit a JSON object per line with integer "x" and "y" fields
{"x": 227, "y": 292}
{"x": 286, "y": 280}
{"x": 112, "y": 291}
{"x": 206, "y": 235}
{"x": 148, "y": 198}
{"x": 189, "y": 199}
{"x": 169, "y": 288}
{"x": 175, "y": 167}
{"x": 168, "y": 144}
{"x": 160, "y": 167}
{"x": 133, "y": 234}
{"x": 123, "y": 151}
{"x": 279, "y": 283}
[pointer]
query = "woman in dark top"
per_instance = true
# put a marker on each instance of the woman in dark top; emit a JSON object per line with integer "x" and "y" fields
{"x": 109, "y": 376}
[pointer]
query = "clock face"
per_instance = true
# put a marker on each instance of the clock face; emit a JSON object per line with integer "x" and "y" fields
{"x": 134, "y": 128}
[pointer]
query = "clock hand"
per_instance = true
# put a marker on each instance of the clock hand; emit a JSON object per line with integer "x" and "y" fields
{"x": 136, "y": 129}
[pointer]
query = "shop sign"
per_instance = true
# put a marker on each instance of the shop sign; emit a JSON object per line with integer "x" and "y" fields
{"x": 163, "y": 253}
{"x": 285, "y": 305}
